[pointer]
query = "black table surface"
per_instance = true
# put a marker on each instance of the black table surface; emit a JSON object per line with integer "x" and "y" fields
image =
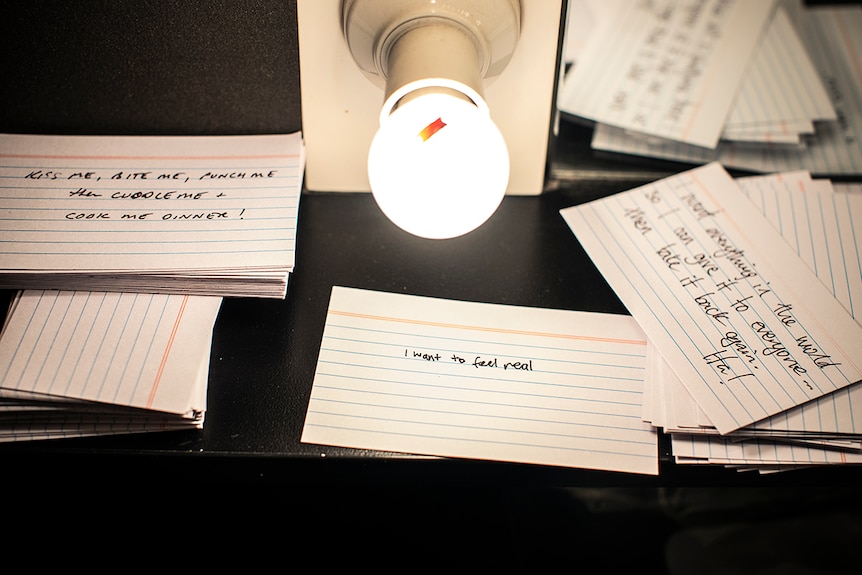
{"x": 264, "y": 351}
{"x": 129, "y": 68}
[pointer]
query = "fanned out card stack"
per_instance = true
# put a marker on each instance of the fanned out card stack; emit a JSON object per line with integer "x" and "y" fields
{"x": 122, "y": 249}
{"x": 762, "y": 85}
{"x": 183, "y": 215}
{"x": 79, "y": 364}
{"x": 749, "y": 292}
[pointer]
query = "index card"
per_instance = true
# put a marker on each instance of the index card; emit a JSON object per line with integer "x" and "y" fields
{"x": 146, "y": 351}
{"x": 781, "y": 89}
{"x": 835, "y": 148}
{"x": 813, "y": 220}
{"x": 698, "y": 449}
{"x": 667, "y": 69}
{"x": 438, "y": 377}
{"x": 823, "y": 227}
{"x": 744, "y": 323}
{"x": 146, "y": 205}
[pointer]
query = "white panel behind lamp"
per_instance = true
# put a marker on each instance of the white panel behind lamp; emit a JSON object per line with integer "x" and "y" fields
{"x": 437, "y": 107}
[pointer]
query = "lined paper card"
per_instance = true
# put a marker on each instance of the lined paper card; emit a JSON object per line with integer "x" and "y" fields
{"x": 829, "y": 34}
{"x": 667, "y": 69}
{"x": 782, "y": 95}
{"x": 718, "y": 450}
{"x": 204, "y": 215}
{"x": 437, "y": 377}
{"x": 746, "y": 326}
{"x": 72, "y": 359}
{"x": 822, "y": 227}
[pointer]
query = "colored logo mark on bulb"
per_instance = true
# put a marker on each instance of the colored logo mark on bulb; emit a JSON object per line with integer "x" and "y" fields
{"x": 431, "y": 129}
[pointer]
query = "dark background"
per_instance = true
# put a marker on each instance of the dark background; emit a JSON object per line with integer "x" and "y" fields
{"x": 245, "y": 482}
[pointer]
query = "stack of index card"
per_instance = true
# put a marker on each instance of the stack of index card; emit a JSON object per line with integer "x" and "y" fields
{"x": 748, "y": 290}
{"x": 176, "y": 214}
{"x": 80, "y": 364}
{"x": 123, "y": 248}
{"x": 761, "y": 85}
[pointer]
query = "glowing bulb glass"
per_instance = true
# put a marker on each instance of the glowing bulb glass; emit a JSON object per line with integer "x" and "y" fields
{"x": 438, "y": 165}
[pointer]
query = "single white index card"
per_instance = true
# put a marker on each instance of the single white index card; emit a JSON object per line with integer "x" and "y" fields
{"x": 742, "y": 320}
{"x": 438, "y": 377}
{"x": 667, "y": 69}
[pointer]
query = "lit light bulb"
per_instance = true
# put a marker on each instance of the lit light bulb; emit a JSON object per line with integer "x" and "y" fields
{"x": 438, "y": 165}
